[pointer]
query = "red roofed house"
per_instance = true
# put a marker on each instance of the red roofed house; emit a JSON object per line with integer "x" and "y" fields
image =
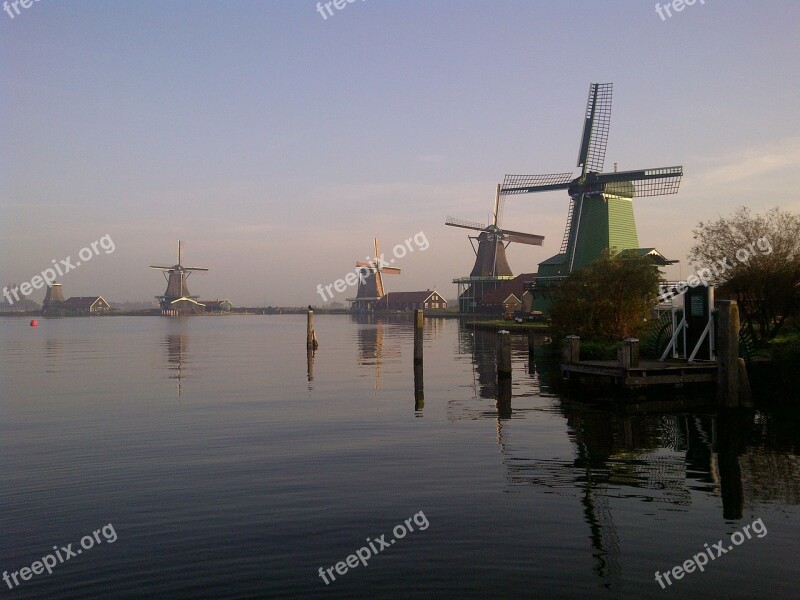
{"x": 509, "y": 297}
{"x": 403, "y": 301}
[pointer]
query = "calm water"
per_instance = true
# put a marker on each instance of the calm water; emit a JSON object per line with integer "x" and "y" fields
{"x": 227, "y": 470}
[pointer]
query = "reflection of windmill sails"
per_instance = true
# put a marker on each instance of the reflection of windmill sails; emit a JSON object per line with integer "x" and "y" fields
{"x": 370, "y": 349}
{"x": 176, "y": 347}
{"x": 370, "y": 285}
{"x": 600, "y": 203}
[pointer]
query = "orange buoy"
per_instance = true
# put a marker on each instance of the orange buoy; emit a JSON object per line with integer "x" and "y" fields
{"x": 34, "y": 322}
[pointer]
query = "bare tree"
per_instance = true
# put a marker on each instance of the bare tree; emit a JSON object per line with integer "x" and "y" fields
{"x": 756, "y": 258}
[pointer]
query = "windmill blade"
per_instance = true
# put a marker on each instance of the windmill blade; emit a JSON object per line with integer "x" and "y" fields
{"x": 642, "y": 183}
{"x": 453, "y": 222}
{"x": 379, "y": 283}
{"x": 377, "y": 250}
{"x": 523, "y": 238}
{"x": 525, "y": 184}
{"x": 157, "y": 267}
{"x": 195, "y": 269}
{"x": 498, "y": 206}
{"x": 368, "y": 265}
{"x": 592, "y": 152}
{"x": 390, "y": 270}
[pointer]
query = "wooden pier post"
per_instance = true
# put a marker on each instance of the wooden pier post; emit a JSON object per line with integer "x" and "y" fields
{"x": 504, "y": 397}
{"x": 727, "y": 348}
{"x": 572, "y": 349}
{"x": 419, "y": 387}
{"x": 531, "y": 334}
{"x": 503, "y": 353}
{"x": 418, "y": 345}
{"x": 311, "y": 336}
{"x": 419, "y": 319}
{"x": 628, "y": 354}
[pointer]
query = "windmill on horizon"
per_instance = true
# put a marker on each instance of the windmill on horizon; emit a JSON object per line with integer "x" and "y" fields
{"x": 176, "y": 300}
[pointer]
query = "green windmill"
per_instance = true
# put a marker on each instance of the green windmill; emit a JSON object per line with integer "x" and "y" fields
{"x": 601, "y": 204}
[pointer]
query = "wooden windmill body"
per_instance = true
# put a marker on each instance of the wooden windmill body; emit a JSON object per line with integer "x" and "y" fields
{"x": 491, "y": 268}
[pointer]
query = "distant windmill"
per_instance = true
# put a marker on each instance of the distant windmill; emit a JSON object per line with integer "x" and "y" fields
{"x": 177, "y": 300}
{"x": 600, "y": 214}
{"x": 370, "y": 284}
{"x": 491, "y": 266}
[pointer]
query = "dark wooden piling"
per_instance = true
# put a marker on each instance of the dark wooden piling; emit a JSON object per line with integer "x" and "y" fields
{"x": 628, "y": 353}
{"x": 419, "y": 319}
{"x": 503, "y": 353}
{"x": 504, "y": 397}
{"x": 311, "y": 335}
{"x": 531, "y": 344}
{"x": 419, "y": 387}
{"x": 418, "y": 345}
{"x": 572, "y": 349}
{"x": 727, "y": 348}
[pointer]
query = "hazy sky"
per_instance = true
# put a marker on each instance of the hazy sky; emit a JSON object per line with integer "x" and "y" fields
{"x": 277, "y": 143}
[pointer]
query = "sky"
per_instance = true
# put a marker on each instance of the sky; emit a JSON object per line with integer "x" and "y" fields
{"x": 277, "y": 143}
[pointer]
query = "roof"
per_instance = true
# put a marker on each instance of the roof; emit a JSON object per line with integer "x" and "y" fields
{"x": 558, "y": 259}
{"x": 498, "y": 296}
{"x": 81, "y": 301}
{"x": 514, "y": 286}
{"x": 407, "y": 297}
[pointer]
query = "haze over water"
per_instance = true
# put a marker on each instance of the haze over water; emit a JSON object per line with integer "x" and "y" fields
{"x": 227, "y": 473}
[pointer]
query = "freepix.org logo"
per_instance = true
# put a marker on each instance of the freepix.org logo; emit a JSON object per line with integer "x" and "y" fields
{"x": 15, "y": 4}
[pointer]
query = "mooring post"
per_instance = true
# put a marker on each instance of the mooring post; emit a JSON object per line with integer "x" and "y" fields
{"x": 531, "y": 334}
{"x": 418, "y": 319}
{"x": 504, "y": 397}
{"x": 503, "y": 353}
{"x": 418, "y": 346}
{"x": 728, "y": 353}
{"x": 572, "y": 349}
{"x": 629, "y": 353}
{"x": 419, "y": 387}
{"x": 745, "y": 392}
{"x": 311, "y": 336}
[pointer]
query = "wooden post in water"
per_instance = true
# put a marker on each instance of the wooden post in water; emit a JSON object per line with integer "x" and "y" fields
{"x": 504, "y": 397}
{"x": 418, "y": 346}
{"x": 572, "y": 349}
{"x": 503, "y": 353}
{"x": 727, "y": 348}
{"x": 311, "y": 336}
{"x": 531, "y": 334}
{"x": 419, "y": 387}
{"x": 629, "y": 353}
{"x": 418, "y": 321}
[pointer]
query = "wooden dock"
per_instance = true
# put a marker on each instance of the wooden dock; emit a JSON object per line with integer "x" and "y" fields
{"x": 648, "y": 372}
